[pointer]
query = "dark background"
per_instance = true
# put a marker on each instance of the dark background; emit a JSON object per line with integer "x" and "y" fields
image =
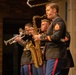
{"x": 19, "y": 15}
{"x": 16, "y": 14}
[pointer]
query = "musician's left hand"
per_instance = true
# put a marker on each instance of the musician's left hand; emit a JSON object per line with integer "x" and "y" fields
{"x": 18, "y": 38}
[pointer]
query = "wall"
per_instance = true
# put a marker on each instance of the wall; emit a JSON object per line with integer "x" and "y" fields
{"x": 1, "y": 44}
{"x": 68, "y": 13}
{"x": 71, "y": 26}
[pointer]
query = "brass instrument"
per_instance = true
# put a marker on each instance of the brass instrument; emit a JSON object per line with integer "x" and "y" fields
{"x": 35, "y": 49}
{"x": 32, "y": 49}
{"x": 37, "y": 43}
{"x": 12, "y": 40}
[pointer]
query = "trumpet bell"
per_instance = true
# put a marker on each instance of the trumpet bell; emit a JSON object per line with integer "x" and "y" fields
{"x": 5, "y": 42}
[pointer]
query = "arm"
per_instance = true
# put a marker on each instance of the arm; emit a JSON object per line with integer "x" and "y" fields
{"x": 57, "y": 33}
{"x": 20, "y": 41}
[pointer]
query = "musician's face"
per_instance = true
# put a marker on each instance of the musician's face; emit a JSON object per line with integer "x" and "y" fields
{"x": 27, "y": 29}
{"x": 44, "y": 26}
{"x": 50, "y": 12}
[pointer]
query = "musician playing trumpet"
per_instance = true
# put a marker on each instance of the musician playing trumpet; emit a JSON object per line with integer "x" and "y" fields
{"x": 27, "y": 29}
{"x": 30, "y": 31}
{"x": 26, "y": 58}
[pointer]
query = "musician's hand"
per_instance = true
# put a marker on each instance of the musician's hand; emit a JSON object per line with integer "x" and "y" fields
{"x": 18, "y": 39}
{"x": 66, "y": 39}
{"x": 36, "y": 37}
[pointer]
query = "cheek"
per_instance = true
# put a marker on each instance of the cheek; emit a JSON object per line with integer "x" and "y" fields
{"x": 49, "y": 14}
{"x": 50, "y": 11}
{"x": 42, "y": 28}
{"x": 45, "y": 27}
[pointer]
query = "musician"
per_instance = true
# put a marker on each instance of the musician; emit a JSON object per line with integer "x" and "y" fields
{"x": 69, "y": 60}
{"x": 26, "y": 58}
{"x": 27, "y": 66}
{"x": 54, "y": 47}
{"x": 44, "y": 25}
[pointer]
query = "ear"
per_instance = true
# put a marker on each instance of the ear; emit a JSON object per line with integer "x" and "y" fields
{"x": 54, "y": 10}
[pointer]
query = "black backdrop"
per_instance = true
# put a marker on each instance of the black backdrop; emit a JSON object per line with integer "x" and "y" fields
{"x": 11, "y": 53}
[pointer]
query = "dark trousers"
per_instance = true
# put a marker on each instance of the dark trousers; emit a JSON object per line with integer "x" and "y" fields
{"x": 65, "y": 71}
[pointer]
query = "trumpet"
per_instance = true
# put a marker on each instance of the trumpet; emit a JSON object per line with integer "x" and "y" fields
{"x": 12, "y": 40}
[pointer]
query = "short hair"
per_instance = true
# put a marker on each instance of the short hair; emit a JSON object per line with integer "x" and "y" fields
{"x": 53, "y": 5}
{"x": 29, "y": 24}
{"x": 45, "y": 20}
